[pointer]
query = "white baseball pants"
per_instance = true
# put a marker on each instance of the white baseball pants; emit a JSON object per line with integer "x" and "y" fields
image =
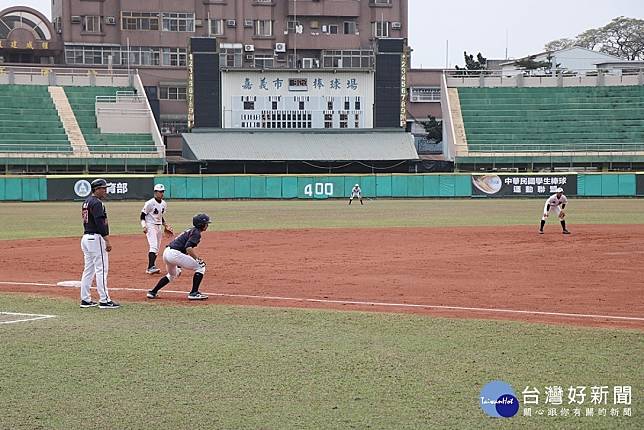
{"x": 174, "y": 258}
{"x": 96, "y": 265}
{"x": 154, "y": 235}
{"x": 546, "y": 211}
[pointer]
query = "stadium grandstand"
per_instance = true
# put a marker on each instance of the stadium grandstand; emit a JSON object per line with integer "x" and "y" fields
{"x": 56, "y": 120}
{"x": 591, "y": 121}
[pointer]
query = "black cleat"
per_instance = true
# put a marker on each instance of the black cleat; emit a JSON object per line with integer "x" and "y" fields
{"x": 108, "y": 305}
{"x": 565, "y": 232}
{"x": 151, "y": 295}
{"x": 90, "y": 304}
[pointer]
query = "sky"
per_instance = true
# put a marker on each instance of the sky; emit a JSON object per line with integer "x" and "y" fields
{"x": 482, "y": 26}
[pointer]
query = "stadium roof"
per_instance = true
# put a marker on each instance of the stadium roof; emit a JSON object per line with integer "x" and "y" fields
{"x": 309, "y": 145}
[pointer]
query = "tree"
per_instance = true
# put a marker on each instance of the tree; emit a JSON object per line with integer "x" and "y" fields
{"x": 471, "y": 64}
{"x": 559, "y": 44}
{"x": 529, "y": 63}
{"x": 434, "y": 129}
{"x": 622, "y": 37}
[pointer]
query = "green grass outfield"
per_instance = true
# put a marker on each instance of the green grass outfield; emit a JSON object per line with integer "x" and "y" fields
{"x": 232, "y": 367}
{"x": 35, "y": 220}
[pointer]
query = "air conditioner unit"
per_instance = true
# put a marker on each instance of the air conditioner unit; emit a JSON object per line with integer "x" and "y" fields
{"x": 76, "y": 19}
{"x": 248, "y": 23}
{"x": 249, "y": 48}
{"x": 280, "y": 47}
{"x": 250, "y": 57}
{"x": 395, "y": 25}
{"x": 198, "y": 23}
{"x": 231, "y": 23}
{"x": 324, "y": 28}
{"x": 110, "y": 20}
{"x": 315, "y": 23}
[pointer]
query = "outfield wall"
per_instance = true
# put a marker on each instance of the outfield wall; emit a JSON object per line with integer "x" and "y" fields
{"x": 52, "y": 188}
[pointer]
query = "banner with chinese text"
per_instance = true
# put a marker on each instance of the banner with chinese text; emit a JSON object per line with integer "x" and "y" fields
{"x": 523, "y": 185}
{"x": 118, "y": 188}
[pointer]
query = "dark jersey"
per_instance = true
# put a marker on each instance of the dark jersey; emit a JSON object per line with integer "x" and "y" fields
{"x": 190, "y": 238}
{"x": 95, "y": 217}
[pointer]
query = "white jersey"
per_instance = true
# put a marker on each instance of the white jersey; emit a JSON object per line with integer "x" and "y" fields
{"x": 554, "y": 201}
{"x": 154, "y": 211}
{"x": 356, "y": 191}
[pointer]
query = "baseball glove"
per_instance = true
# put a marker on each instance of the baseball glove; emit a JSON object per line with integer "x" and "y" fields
{"x": 562, "y": 215}
{"x": 169, "y": 231}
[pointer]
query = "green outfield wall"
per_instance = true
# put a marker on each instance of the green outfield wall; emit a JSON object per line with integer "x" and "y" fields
{"x": 43, "y": 188}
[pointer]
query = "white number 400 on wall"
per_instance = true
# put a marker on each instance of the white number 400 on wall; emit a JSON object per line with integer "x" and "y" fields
{"x": 319, "y": 189}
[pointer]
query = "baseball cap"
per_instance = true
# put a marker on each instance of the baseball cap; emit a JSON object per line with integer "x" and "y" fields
{"x": 159, "y": 187}
{"x": 99, "y": 183}
{"x": 356, "y": 185}
{"x": 559, "y": 190}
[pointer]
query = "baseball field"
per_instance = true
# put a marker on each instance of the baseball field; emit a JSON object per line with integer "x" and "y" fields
{"x": 391, "y": 315}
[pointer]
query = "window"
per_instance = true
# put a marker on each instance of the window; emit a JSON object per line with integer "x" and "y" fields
{"x": 173, "y": 126}
{"x": 92, "y": 24}
{"x": 230, "y": 57}
{"x": 139, "y": 21}
{"x": 380, "y": 2}
{"x": 328, "y": 120}
{"x": 264, "y": 27}
{"x": 349, "y": 27}
{"x": 178, "y": 21}
{"x": 141, "y": 56}
{"x": 174, "y": 57}
{"x": 216, "y": 27}
{"x": 381, "y": 29}
{"x": 94, "y": 55}
{"x": 333, "y": 29}
{"x": 358, "y": 58}
{"x": 172, "y": 93}
{"x": 263, "y": 62}
{"x": 291, "y": 26}
{"x": 344, "y": 120}
{"x": 425, "y": 94}
{"x": 249, "y": 105}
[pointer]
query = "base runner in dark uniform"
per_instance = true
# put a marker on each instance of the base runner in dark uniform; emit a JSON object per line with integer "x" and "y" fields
{"x": 95, "y": 244}
{"x": 180, "y": 253}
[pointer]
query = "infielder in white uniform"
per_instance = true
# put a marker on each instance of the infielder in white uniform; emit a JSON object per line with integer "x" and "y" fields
{"x": 356, "y": 192}
{"x": 555, "y": 203}
{"x": 154, "y": 225}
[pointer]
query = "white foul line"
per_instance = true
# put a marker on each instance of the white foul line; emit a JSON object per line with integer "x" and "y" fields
{"x": 365, "y": 303}
{"x": 36, "y": 317}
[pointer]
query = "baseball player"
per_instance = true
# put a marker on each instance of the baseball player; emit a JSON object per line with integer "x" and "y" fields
{"x": 180, "y": 253}
{"x": 356, "y": 192}
{"x": 154, "y": 225}
{"x": 556, "y": 203}
{"x": 96, "y": 245}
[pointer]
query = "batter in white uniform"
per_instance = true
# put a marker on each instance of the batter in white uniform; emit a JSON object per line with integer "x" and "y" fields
{"x": 154, "y": 224}
{"x": 555, "y": 203}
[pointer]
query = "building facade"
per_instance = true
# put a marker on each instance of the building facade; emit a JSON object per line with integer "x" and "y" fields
{"x": 320, "y": 36}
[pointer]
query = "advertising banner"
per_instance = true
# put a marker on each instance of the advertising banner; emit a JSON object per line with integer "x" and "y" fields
{"x": 523, "y": 185}
{"x": 123, "y": 188}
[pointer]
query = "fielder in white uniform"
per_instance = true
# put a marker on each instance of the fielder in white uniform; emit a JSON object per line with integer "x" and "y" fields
{"x": 154, "y": 224}
{"x": 555, "y": 203}
{"x": 356, "y": 192}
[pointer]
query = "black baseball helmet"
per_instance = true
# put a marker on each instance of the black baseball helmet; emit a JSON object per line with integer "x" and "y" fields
{"x": 200, "y": 220}
{"x": 99, "y": 183}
